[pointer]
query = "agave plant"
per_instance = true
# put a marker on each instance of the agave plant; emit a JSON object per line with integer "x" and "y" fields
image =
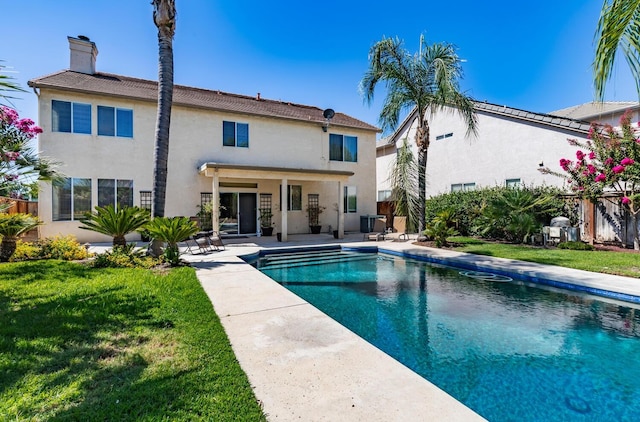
{"x": 11, "y": 227}
{"x": 171, "y": 231}
{"x": 116, "y": 223}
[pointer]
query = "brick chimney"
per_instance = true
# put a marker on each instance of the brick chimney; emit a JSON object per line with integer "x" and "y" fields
{"x": 83, "y": 54}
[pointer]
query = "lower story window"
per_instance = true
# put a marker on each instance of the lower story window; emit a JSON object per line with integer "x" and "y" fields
{"x": 350, "y": 199}
{"x": 71, "y": 199}
{"x": 146, "y": 199}
{"x": 116, "y": 192}
{"x": 457, "y": 187}
{"x": 294, "y": 198}
{"x": 513, "y": 183}
{"x": 384, "y": 195}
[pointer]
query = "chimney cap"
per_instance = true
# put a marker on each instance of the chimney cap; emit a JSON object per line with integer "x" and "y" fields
{"x": 83, "y": 38}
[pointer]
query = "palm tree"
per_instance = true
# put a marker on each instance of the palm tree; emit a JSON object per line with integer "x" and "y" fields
{"x": 11, "y": 227}
{"x": 618, "y": 28}
{"x": 116, "y": 223}
{"x": 404, "y": 182}
{"x": 164, "y": 16}
{"x": 427, "y": 82}
{"x": 7, "y": 84}
{"x": 172, "y": 231}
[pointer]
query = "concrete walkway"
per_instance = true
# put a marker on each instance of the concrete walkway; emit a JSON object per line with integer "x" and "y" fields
{"x": 305, "y": 366}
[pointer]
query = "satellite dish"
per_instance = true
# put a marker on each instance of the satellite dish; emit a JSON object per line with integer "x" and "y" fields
{"x": 328, "y": 113}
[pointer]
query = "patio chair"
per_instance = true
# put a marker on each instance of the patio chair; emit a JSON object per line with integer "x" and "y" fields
{"x": 215, "y": 241}
{"x": 379, "y": 231}
{"x": 198, "y": 243}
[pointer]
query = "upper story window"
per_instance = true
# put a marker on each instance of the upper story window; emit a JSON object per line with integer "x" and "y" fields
{"x": 343, "y": 148}
{"x": 115, "y": 122}
{"x": 444, "y": 136}
{"x": 235, "y": 134}
{"x": 70, "y": 117}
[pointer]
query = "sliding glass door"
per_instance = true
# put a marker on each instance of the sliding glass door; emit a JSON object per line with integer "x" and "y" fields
{"x": 238, "y": 213}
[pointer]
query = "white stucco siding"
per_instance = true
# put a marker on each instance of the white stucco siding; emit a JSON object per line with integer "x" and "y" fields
{"x": 196, "y": 138}
{"x": 504, "y": 148}
{"x": 384, "y": 162}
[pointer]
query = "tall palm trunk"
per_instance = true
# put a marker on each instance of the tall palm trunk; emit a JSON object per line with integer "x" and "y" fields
{"x": 7, "y": 247}
{"x": 422, "y": 141}
{"x": 164, "y": 14}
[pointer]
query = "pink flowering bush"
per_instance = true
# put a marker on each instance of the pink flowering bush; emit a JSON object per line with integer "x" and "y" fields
{"x": 607, "y": 162}
{"x": 19, "y": 165}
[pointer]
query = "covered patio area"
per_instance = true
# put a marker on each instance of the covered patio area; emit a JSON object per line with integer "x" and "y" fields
{"x": 253, "y": 182}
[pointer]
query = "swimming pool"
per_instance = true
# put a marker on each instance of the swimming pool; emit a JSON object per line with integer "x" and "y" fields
{"x": 507, "y": 349}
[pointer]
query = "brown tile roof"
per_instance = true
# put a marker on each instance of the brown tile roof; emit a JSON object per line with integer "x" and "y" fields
{"x": 141, "y": 89}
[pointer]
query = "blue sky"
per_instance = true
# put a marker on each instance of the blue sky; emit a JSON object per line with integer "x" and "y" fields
{"x": 531, "y": 55}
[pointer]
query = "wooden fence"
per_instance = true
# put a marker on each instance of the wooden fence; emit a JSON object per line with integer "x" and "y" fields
{"x": 19, "y": 206}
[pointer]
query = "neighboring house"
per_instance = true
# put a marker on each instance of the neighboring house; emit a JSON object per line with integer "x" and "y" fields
{"x": 235, "y": 152}
{"x": 510, "y": 147}
{"x": 603, "y": 113}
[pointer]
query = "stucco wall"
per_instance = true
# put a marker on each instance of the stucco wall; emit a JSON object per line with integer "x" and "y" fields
{"x": 503, "y": 149}
{"x": 196, "y": 138}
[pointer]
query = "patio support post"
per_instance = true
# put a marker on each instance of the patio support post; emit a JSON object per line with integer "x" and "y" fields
{"x": 285, "y": 201}
{"x": 215, "y": 201}
{"x": 340, "y": 210}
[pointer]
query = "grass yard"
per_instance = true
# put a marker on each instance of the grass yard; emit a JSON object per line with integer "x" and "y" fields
{"x": 78, "y": 343}
{"x": 618, "y": 263}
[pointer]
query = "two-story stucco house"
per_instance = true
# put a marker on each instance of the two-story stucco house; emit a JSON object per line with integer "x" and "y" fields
{"x": 237, "y": 153}
{"x": 510, "y": 146}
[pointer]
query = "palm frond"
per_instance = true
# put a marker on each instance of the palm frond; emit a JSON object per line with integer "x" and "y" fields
{"x": 618, "y": 28}
{"x": 404, "y": 185}
{"x": 115, "y": 223}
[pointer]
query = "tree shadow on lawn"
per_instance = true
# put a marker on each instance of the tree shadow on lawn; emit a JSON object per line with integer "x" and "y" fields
{"x": 79, "y": 355}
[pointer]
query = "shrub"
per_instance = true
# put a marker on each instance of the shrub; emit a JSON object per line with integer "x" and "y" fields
{"x": 171, "y": 231}
{"x": 441, "y": 227}
{"x": 125, "y": 257}
{"x": 576, "y": 246}
{"x": 25, "y": 251}
{"x": 12, "y": 226}
{"x": 116, "y": 223}
{"x": 66, "y": 248}
{"x": 488, "y": 212}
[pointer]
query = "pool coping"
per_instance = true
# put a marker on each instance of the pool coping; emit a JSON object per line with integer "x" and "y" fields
{"x": 303, "y": 365}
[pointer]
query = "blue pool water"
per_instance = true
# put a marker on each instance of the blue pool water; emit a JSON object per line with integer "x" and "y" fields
{"x": 509, "y": 350}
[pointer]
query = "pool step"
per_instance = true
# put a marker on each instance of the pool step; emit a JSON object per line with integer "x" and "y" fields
{"x": 309, "y": 258}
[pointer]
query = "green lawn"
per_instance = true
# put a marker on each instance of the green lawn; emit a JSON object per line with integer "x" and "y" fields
{"x": 78, "y": 343}
{"x": 619, "y": 263}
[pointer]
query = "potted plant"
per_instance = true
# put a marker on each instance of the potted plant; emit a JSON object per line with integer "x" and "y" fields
{"x": 266, "y": 224}
{"x": 314, "y": 212}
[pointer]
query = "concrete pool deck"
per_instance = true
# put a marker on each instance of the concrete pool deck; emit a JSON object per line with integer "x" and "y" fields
{"x": 303, "y": 365}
